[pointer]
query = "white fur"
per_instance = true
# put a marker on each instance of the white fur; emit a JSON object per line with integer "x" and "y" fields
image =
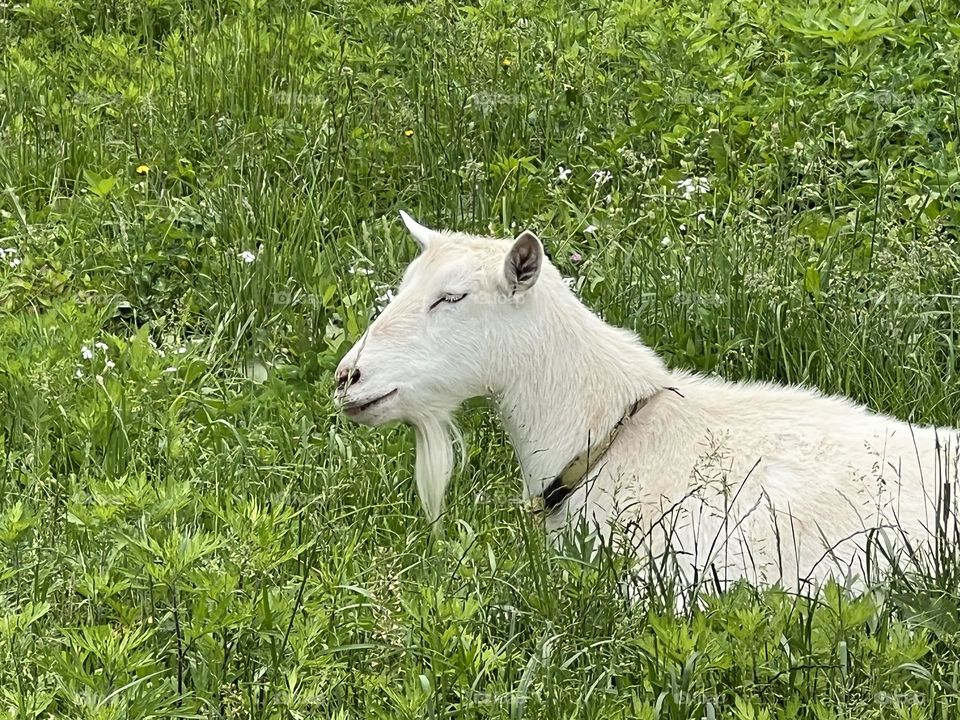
{"x": 740, "y": 480}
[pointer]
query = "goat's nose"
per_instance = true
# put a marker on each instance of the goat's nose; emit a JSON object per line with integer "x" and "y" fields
{"x": 347, "y": 377}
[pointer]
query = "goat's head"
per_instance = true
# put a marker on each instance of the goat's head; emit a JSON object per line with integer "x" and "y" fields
{"x": 435, "y": 344}
{"x": 463, "y": 302}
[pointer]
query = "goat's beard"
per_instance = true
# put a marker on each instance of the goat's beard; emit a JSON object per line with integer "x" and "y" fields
{"x": 436, "y": 457}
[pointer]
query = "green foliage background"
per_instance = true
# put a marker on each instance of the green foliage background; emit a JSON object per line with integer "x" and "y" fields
{"x": 188, "y": 529}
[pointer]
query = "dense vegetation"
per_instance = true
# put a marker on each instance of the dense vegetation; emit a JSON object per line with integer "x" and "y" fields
{"x": 198, "y": 215}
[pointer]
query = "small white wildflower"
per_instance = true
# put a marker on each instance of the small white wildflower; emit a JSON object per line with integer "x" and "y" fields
{"x": 7, "y": 251}
{"x": 564, "y": 174}
{"x": 590, "y": 229}
{"x": 181, "y": 350}
{"x": 110, "y": 364}
{"x": 15, "y": 262}
{"x": 683, "y": 228}
{"x": 86, "y": 353}
{"x": 602, "y": 177}
{"x": 608, "y": 199}
{"x": 359, "y": 270}
{"x": 100, "y": 345}
{"x": 170, "y": 370}
{"x": 665, "y": 242}
{"x": 247, "y": 256}
{"x": 385, "y": 299}
{"x": 78, "y": 374}
{"x": 701, "y": 217}
{"x": 693, "y": 186}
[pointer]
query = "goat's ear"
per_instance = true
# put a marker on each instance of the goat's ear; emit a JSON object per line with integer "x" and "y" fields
{"x": 423, "y": 235}
{"x": 523, "y": 263}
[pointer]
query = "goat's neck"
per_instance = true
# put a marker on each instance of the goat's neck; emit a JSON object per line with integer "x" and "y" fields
{"x": 571, "y": 380}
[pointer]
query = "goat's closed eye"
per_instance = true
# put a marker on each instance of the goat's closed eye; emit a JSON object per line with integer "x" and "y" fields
{"x": 448, "y": 298}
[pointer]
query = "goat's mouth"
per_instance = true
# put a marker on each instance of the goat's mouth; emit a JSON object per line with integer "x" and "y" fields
{"x": 356, "y": 407}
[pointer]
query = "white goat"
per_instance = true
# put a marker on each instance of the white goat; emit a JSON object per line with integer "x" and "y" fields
{"x": 738, "y": 480}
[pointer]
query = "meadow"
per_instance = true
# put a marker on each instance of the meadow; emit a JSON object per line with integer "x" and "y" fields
{"x": 198, "y": 216}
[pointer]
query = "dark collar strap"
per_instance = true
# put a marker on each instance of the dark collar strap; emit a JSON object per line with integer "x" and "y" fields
{"x": 577, "y": 470}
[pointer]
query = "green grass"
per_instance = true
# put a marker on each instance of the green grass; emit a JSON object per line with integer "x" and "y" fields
{"x": 193, "y": 531}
